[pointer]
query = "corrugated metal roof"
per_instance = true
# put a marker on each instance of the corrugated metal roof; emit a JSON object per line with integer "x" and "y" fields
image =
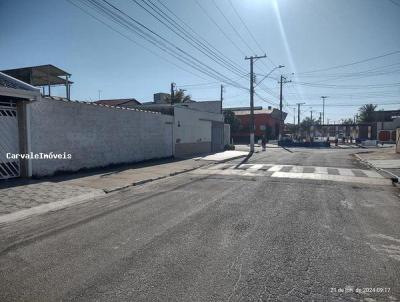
{"x": 119, "y": 102}
{"x": 10, "y": 82}
{"x": 39, "y": 75}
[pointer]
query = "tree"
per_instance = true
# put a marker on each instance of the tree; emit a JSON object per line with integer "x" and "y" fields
{"x": 231, "y": 119}
{"x": 308, "y": 122}
{"x": 179, "y": 97}
{"x": 292, "y": 128}
{"x": 347, "y": 121}
{"x": 366, "y": 113}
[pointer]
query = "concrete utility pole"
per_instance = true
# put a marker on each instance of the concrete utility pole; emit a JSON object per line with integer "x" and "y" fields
{"x": 282, "y": 81}
{"x": 222, "y": 95}
{"x": 298, "y": 112}
{"x": 294, "y": 115}
{"x": 252, "y": 98}
{"x": 311, "y": 111}
{"x": 320, "y": 117}
{"x": 172, "y": 91}
{"x": 323, "y": 108}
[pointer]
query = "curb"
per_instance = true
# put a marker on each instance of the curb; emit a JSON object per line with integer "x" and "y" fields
{"x": 144, "y": 181}
{"x": 141, "y": 182}
{"x": 395, "y": 178}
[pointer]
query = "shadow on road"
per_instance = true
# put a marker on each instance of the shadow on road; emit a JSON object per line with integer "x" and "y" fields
{"x": 244, "y": 160}
{"x": 288, "y": 150}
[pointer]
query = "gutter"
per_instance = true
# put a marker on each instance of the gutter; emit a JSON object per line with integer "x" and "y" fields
{"x": 394, "y": 178}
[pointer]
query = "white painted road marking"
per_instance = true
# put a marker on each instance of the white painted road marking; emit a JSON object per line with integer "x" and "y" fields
{"x": 298, "y": 172}
{"x": 340, "y": 178}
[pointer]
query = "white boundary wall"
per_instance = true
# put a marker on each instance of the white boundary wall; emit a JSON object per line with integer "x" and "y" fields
{"x": 95, "y": 136}
{"x": 192, "y": 130}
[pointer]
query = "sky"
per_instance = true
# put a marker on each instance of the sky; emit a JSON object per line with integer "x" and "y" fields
{"x": 313, "y": 39}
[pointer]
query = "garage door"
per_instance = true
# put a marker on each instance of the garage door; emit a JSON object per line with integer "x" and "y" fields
{"x": 217, "y": 136}
{"x": 8, "y": 140}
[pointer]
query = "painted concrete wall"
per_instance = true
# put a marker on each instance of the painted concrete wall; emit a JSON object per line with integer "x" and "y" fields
{"x": 393, "y": 125}
{"x": 207, "y": 106}
{"x": 192, "y": 130}
{"x": 95, "y": 136}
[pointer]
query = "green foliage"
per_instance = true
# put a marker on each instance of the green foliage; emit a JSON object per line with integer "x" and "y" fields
{"x": 308, "y": 122}
{"x": 179, "y": 97}
{"x": 366, "y": 113}
{"x": 348, "y": 121}
{"x": 292, "y": 128}
{"x": 231, "y": 119}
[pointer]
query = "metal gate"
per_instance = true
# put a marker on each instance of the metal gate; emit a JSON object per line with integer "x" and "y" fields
{"x": 217, "y": 136}
{"x": 8, "y": 140}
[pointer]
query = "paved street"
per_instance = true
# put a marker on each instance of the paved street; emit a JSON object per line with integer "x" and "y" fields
{"x": 283, "y": 225}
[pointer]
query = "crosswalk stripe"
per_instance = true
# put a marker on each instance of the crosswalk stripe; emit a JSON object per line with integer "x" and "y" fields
{"x": 255, "y": 167}
{"x": 345, "y": 172}
{"x": 370, "y": 173}
{"x": 338, "y": 178}
{"x": 321, "y": 170}
{"x": 295, "y": 171}
{"x": 275, "y": 168}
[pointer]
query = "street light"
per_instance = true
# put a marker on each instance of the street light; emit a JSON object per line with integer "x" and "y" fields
{"x": 275, "y": 68}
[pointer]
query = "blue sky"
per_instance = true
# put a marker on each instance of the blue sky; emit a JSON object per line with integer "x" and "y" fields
{"x": 303, "y": 35}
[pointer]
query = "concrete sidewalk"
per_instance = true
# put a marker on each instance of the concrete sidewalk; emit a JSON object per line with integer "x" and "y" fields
{"x": 21, "y": 198}
{"x": 383, "y": 159}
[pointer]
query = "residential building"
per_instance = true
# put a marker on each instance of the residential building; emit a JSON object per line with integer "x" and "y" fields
{"x": 266, "y": 121}
{"x": 97, "y": 134}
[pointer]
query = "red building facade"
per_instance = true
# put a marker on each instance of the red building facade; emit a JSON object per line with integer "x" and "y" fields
{"x": 266, "y": 123}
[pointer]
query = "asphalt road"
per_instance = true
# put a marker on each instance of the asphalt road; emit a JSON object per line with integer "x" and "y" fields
{"x": 210, "y": 237}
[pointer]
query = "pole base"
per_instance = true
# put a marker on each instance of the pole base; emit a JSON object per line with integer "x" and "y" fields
{"x": 251, "y": 142}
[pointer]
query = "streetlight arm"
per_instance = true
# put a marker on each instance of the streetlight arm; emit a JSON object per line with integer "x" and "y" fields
{"x": 280, "y": 66}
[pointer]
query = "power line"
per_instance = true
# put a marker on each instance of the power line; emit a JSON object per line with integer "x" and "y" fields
{"x": 395, "y": 3}
{"x": 219, "y": 28}
{"x": 263, "y": 87}
{"x": 235, "y": 30}
{"x": 353, "y": 63}
{"x": 349, "y": 105}
{"x": 185, "y": 35}
{"x": 197, "y": 34}
{"x": 249, "y": 31}
{"x": 335, "y": 86}
{"x": 133, "y": 41}
{"x": 120, "y": 17}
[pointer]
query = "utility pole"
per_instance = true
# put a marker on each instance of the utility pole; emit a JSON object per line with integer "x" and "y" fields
{"x": 282, "y": 81}
{"x": 172, "y": 92}
{"x": 294, "y": 115}
{"x": 222, "y": 95}
{"x": 298, "y": 112}
{"x": 323, "y": 108}
{"x": 320, "y": 117}
{"x": 252, "y": 58}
